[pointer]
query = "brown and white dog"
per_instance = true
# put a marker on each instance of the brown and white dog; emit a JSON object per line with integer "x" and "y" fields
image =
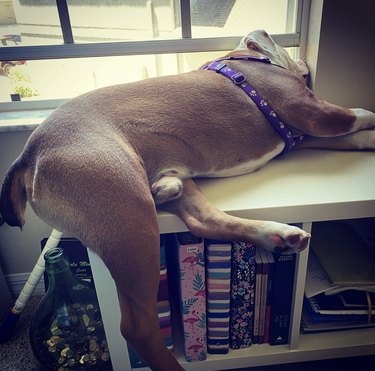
{"x": 100, "y": 162}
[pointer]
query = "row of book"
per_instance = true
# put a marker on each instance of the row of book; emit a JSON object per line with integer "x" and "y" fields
{"x": 340, "y": 282}
{"x": 231, "y": 295}
{"x": 221, "y": 295}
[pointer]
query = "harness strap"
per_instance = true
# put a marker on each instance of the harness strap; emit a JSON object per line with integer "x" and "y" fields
{"x": 268, "y": 112}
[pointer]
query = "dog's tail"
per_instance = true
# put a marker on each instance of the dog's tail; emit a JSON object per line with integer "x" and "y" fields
{"x": 13, "y": 196}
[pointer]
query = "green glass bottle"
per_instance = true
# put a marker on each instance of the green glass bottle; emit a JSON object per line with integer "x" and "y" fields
{"x": 67, "y": 332}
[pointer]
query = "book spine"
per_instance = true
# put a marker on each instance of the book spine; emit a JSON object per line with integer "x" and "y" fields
{"x": 282, "y": 294}
{"x": 258, "y": 290}
{"x": 269, "y": 296}
{"x": 263, "y": 296}
{"x": 242, "y": 295}
{"x": 163, "y": 302}
{"x": 218, "y": 269}
{"x": 193, "y": 296}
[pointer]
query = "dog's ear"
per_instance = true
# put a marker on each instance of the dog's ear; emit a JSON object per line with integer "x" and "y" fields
{"x": 303, "y": 67}
{"x": 304, "y": 70}
{"x": 259, "y": 41}
{"x": 253, "y": 45}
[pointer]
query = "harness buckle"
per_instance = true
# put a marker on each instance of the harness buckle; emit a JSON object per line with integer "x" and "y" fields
{"x": 238, "y": 78}
{"x": 219, "y": 67}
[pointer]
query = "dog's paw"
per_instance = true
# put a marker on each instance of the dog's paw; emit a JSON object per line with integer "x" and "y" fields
{"x": 166, "y": 189}
{"x": 363, "y": 119}
{"x": 364, "y": 139}
{"x": 282, "y": 238}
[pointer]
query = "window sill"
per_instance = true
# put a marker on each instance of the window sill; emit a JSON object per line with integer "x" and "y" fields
{"x": 22, "y": 120}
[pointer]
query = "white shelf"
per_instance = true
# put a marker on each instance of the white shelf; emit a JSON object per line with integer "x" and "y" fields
{"x": 304, "y": 186}
{"x": 312, "y": 347}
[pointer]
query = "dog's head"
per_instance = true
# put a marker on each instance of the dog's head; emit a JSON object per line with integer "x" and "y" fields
{"x": 263, "y": 43}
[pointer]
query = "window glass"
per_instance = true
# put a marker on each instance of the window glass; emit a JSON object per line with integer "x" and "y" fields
{"x": 29, "y": 22}
{"x": 121, "y": 20}
{"x": 239, "y": 17}
{"x": 66, "y": 78}
{"x": 36, "y": 22}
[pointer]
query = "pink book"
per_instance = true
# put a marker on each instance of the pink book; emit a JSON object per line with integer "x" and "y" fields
{"x": 193, "y": 295}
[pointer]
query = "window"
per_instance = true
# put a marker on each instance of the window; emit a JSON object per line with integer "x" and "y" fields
{"x": 57, "y": 49}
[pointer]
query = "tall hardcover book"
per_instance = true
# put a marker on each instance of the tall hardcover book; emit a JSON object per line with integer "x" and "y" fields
{"x": 163, "y": 302}
{"x": 218, "y": 271}
{"x": 242, "y": 295}
{"x": 193, "y": 295}
{"x": 271, "y": 262}
{"x": 282, "y": 295}
{"x": 258, "y": 292}
{"x": 263, "y": 295}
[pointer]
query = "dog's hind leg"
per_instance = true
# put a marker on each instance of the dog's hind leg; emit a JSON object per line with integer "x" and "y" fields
{"x": 133, "y": 260}
{"x": 130, "y": 247}
{"x": 205, "y": 220}
{"x": 105, "y": 201}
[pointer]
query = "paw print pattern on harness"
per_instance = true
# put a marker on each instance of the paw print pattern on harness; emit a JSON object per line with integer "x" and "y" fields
{"x": 270, "y": 115}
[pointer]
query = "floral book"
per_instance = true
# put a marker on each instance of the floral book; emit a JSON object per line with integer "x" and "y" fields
{"x": 193, "y": 295}
{"x": 242, "y": 295}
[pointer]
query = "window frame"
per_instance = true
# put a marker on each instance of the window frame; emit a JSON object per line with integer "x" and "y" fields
{"x": 185, "y": 44}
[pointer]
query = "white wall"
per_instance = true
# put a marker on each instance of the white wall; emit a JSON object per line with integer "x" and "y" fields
{"x": 19, "y": 250}
{"x": 343, "y": 71}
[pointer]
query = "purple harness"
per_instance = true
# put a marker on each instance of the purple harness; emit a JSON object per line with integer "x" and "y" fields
{"x": 239, "y": 79}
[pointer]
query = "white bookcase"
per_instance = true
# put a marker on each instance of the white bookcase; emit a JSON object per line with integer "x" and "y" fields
{"x": 304, "y": 186}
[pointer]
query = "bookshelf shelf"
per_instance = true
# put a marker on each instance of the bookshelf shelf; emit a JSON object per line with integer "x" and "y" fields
{"x": 314, "y": 186}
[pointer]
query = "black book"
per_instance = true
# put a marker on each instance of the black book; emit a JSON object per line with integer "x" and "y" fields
{"x": 281, "y": 298}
